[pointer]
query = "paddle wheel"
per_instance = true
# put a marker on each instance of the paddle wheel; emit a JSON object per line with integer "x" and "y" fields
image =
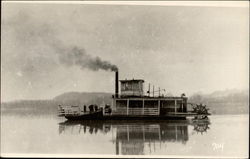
{"x": 201, "y": 111}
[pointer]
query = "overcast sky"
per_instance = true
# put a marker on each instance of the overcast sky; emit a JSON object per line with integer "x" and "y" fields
{"x": 179, "y": 48}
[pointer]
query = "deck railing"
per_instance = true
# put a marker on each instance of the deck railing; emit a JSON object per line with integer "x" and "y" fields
{"x": 74, "y": 110}
{"x": 119, "y": 111}
{"x": 136, "y": 111}
{"x": 70, "y": 110}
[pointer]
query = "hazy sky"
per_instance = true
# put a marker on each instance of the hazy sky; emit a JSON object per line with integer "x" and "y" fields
{"x": 179, "y": 48}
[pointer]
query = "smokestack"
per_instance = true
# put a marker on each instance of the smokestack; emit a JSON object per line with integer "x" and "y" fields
{"x": 116, "y": 84}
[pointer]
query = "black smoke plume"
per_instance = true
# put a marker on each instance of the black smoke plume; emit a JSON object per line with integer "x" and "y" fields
{"x": 30, "y": 32}
{"x": 79, "y": 57}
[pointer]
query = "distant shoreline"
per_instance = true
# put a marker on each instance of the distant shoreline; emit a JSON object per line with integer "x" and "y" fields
{"x": 220, "y": 102}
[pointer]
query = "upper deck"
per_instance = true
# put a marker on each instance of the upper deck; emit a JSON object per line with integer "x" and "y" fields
{"x": 171, "y": 98}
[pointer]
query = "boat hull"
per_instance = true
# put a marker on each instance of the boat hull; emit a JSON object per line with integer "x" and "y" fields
{"x": 100, "y": 116}
{"x": 123, "y": 117}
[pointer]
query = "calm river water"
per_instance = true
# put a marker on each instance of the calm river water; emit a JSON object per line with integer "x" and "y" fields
{"x": 223, "y": 136}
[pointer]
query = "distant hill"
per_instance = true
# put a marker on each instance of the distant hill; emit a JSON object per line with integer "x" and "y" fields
{"x": 219, "y": 102}
{"x": 81, "y": 98}
{"x": 47, "y": 107}
{"x": 224, "y": 102}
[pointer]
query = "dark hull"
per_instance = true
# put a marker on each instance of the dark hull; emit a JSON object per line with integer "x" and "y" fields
{"x": 123, "y": 117}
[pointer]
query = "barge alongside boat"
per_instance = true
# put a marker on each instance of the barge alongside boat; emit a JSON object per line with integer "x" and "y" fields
{"x": 133, "y": 104}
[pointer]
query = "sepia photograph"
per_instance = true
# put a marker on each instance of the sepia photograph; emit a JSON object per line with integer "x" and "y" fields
{"x": 125, "y": 79}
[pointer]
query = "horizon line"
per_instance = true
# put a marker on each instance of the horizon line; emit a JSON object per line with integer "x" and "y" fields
{"x": 195, "y": 93}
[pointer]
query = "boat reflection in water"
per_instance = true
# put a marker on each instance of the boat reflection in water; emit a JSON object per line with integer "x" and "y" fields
{"x": 130, "y": 137}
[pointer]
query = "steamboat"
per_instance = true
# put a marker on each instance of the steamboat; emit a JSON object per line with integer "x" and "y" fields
{"x": 131, "y": 103}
